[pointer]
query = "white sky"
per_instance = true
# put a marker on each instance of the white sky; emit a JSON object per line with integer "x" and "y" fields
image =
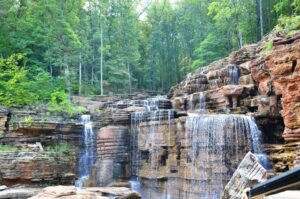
{"x": 145, "y": 3}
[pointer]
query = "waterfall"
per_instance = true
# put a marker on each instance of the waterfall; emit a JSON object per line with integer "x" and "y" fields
{"x": 256, "y": 136}
{"x": 217, "y": 143}
{"x": 87, "y": 155}
{"x": 154, "y": 115}
{"x": 136, "y": 119}
{"x": 202, "y": 102}
{"x": 234, "y": 75}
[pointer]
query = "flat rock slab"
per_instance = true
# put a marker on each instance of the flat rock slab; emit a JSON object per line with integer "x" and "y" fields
{"x": 71, "y": 192}
{"x": 18, "y": 193}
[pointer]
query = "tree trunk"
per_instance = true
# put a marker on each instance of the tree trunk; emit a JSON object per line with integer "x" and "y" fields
{"x": 80, "y": 76}
{"x": 129, "y": 79}
{"x": 257, "y": 20}
{"x": 92, "y": 72}
{"x": 261, "y": 19}
{"x": 101, "y": 51}
{"x": 51, "y": 70}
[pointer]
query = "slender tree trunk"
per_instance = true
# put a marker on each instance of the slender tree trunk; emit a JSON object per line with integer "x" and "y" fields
{"x": 67, "y": 75}
{"x": 269, "y": 15}
{"x": 257, "y": 20}
{"x": 129, "y": 78}
{"x": 92, "y": 72}
{"x": 101, "y": 63}
{"x": 261, "y": 18}
{"x": 80, "y": 76}
{"x": 101, "y": 51}
{"x": 51, "y": 70}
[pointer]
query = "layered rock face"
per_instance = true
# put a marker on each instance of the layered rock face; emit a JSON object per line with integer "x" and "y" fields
{"x": 267, "y": 88}
{"x": 278, "y": 75}
{"x": 36, "y": 168}
{"x": 33, "y": 154}
{"x": 113, "y": 160}
{"x": 195, "y": 156}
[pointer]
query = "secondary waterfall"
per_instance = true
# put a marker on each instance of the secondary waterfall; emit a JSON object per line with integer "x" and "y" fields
{"x": 87, "y": 155}
{"x": 202, "y": 102}
{"x": 216, "y": 144}
{"x": 234, "y": 75}
{"x": 154, "y": 115}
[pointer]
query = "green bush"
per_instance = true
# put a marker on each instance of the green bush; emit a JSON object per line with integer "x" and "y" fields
{"x": 288, "y": 25}
{"x": 21, "y": 85}
{"x": 59, "y": 148}
{"x": 267, "y": 48}
{"x": 61, "y": 103}
{"x": 15, "y": 87}
{"x": 28, "y": 120}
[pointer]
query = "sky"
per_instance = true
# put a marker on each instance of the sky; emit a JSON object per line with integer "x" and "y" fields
{"x": 144, "y": 3}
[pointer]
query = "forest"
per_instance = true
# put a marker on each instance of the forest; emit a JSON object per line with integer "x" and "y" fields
{"x": 52, "y": 49}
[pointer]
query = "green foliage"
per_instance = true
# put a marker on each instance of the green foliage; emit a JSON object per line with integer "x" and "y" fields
{"x": 208, "y": 51}
{"x": 28, "y": 120}
{"x": 267, "y": 48}
{"x": 15, "y": 87}
{"x": 288, "y": 25}
{"x": 79, "y": 109}
{"x": 60, "y": 102}
{"x": 59, "y": 148}
{"x": 62, "y": 42}
{"x": 22, "y": 85}
{"x": 8, "y": 148}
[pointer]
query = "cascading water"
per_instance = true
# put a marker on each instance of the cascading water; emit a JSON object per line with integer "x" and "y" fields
{"x": 217, "y": 144}
{"x": 87, "y": 155}
{"x": 154, "y": 115}
{"x": 256, "y": 136}
{"x": 191, "y": 102}
{"x": 202, "y": 102}
{"x": 234, "y": 75}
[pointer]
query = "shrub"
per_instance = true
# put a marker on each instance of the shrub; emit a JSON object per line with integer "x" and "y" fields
{"x": 59, "y": 148}
{"x": 267, "y": 48}
{"x": 288, "y": 25}
{"x": 60, "y": 102}
{"x": 15, "y": 87}
{"x": 28, "y": 120}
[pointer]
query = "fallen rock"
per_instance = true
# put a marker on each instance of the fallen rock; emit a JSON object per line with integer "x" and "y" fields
{"x": 249, "y": 172}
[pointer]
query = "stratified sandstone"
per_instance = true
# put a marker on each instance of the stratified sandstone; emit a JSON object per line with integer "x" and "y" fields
{"x": 113, "y": 155}
{"x": 37, "y": 168}
{"x": 279, "y": 75}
